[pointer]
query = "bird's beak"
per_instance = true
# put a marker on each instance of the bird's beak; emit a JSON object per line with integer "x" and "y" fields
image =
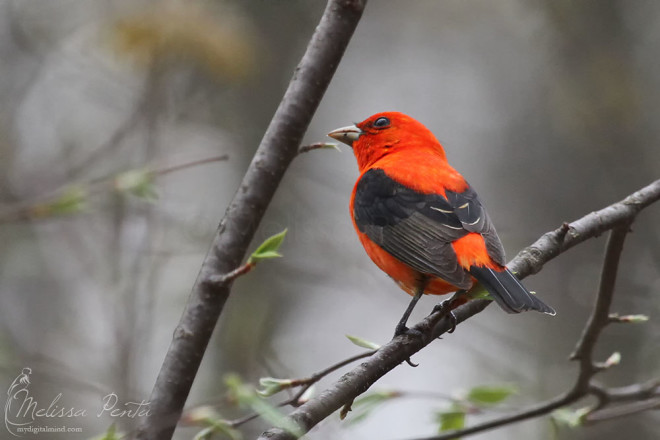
{"x": 347, "y": 135}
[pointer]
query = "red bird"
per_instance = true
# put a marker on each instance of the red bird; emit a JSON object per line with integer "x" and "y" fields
{"x": 420, "y": 221}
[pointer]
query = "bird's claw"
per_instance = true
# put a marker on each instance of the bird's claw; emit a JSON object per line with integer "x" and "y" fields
{"x": 440, "y": 308}
{"x": 444, "y": 309}
{"x": 411, "y": 363}
{"x": 454, "y": 322}
{"x": 401, "y": 330}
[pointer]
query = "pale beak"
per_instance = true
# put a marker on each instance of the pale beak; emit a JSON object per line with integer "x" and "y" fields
{"x": 347, "y": 135}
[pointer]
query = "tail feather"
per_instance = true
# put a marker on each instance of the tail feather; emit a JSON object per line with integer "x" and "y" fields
{"x": 508, "y": 292}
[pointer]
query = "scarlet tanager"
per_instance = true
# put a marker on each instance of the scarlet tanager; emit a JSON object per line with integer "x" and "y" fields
{"x": 420, "y": 221}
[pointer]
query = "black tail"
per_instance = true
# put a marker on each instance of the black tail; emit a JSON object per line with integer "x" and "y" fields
{"x": 508, "y": 292}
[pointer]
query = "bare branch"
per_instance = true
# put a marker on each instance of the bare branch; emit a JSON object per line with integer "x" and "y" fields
{"x": 623, "y": 401}
{"x": 278, "y": 148}
{"x": 530, "y": 260}
{"x": 583, "y": 352}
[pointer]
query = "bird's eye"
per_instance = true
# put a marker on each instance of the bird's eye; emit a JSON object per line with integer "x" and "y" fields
{"x": 381, "y": 122}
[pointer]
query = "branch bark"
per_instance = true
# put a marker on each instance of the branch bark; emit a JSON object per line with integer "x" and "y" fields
{"x": 530, "y": 260}
{"x": 277, "y": 149}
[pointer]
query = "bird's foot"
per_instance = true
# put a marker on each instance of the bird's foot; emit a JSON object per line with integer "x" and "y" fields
{"x": 444, "y": 308}
{"x": 401, "y": 329}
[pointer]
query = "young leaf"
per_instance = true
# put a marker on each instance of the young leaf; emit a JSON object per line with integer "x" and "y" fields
{"x": 248, "y": 397}
{"x": 490, "y": 394}
{"x": 614, "y": 359}
{"x": 628, "y": 319}
{"x": 71, "y": 201}
{"x": 479, "y": 292}
{"x": 223, "y": 428}
{"x": 571, "y": 418}
{"x": 200, "y": 415}
{"x": 208, "y": 417}
{"x": 205, "y": 434}
{"x": 363, "y": 342}
{"x": 272, "y": 386}
{"x": 268, "y": 249}
{"x": 451, "y": 420}
{"x": 138, "y": 182}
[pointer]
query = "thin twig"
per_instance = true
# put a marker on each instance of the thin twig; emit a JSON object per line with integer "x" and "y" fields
{"x": 623, "y": 401}
{"x": 23, "y": 211}
{"x": 232, "y": 275}
{"x": 318, "y": 146}
{"x": 183, "y": 166}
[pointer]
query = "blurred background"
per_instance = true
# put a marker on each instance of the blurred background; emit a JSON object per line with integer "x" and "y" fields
{"x": 115, "y": 119}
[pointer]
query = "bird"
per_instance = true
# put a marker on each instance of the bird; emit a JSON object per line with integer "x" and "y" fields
{"x": 420, "y": 221}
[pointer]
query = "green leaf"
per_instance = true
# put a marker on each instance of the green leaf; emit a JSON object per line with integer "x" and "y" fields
{"x": 268, "y": 249}
{"x": 490, "y": 394}
{"x": 479, "y": 292}
{"x": 205, "y": 433}
{"x": 272, "y": 386}
{"x": 139, "y": 183}
{"x": 363, "y": 406}
{"x": 363, "y": 342}
{"x": 200, "y": 415}
{"x": 571, "y": 418}
{"x": 208, "y": 417}
{"x": 71, "y": 201}
{"x": 222, "y": 428}
{"x": 451, "y": 420}
{"x": 248, "y": 397}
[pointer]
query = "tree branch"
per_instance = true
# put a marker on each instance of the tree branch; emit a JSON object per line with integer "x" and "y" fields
{"x": 39, "y": 208}
{"x": 277, "y": 149}
{"x": 530, "y": 260}
{"x": 583, "y": 352}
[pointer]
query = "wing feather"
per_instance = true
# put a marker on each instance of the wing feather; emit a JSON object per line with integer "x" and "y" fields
{"x": 418, "y": 228}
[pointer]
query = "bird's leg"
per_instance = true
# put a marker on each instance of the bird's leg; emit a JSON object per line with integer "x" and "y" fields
{"x": 401, "y": 326}
{"x": 445, "y": 309}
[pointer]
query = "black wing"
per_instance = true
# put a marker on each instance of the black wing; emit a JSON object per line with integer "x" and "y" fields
{"x": 418, "y": 229}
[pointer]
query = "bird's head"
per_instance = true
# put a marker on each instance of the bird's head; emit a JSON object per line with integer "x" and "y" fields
{"x": 384, "y": 133}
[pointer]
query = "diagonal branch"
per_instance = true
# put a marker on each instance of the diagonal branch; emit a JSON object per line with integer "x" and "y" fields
{"x": 278, "y": 148}
{"x": 527, "y": 262}
{"x": 598, "y": 320}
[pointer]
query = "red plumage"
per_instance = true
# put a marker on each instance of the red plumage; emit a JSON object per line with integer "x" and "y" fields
{"x": 418, "y": 218}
